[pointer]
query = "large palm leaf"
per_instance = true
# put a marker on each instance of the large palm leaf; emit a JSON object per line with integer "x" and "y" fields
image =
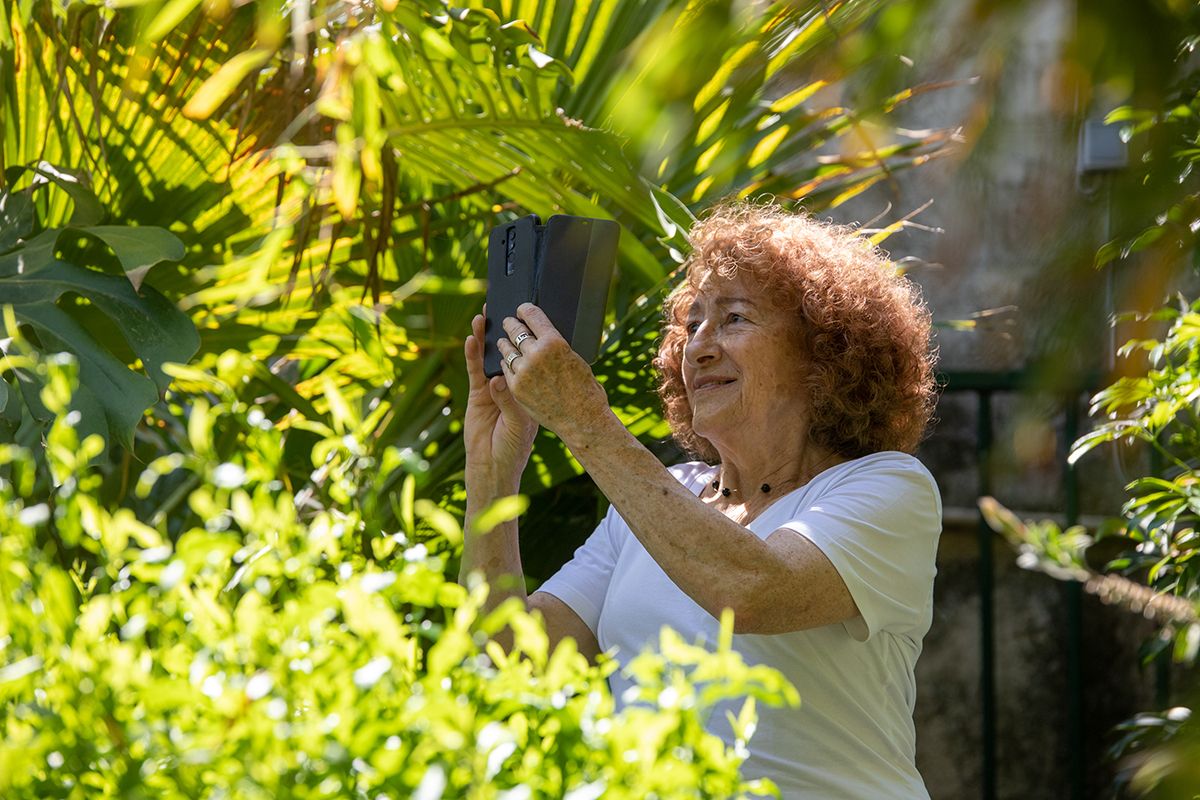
{"x": 375, "y": 168}
{"x": 453, "y": 146}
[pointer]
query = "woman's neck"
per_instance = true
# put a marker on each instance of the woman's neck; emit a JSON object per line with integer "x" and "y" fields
{"x": 766, "y": 478}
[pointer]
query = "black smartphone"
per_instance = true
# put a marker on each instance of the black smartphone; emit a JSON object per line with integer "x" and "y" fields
{"x": 564, "y": 267}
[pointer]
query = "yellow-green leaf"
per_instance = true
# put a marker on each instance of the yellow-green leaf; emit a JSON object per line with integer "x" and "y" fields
{"x": 346, "y": 173}
{"x": 440, "y": 520}
{"x": 767, "y": 145}
{"x": 166, "y": 20}
{"x": 408, "y": 491}
{"x": 503, "y": 510}
{"x": 795, "y": 98}
{"x": 216, "y": 90}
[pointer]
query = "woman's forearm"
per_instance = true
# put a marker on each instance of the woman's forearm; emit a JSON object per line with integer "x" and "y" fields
{"x": 714, "y": 560}
{"x": 496, "y": 553}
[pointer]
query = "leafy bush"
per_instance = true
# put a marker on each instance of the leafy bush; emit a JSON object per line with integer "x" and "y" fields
{"x": 262, "y": 652}
{"x": 299, "y": 497}
{"x": 48, "y": 276}
{"x": 1158, "y": 575}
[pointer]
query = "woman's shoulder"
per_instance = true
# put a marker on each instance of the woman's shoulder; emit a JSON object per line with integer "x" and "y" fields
{"x": 886, "y": 461}
{"x": 890, "y": 467}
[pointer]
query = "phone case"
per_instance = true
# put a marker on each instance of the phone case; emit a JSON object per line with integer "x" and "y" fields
{"x": 512, "y": 276}
{"x": 564, "y": 267}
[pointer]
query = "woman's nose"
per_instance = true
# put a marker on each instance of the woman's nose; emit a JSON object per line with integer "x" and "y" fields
{"x": 702, "y": 346}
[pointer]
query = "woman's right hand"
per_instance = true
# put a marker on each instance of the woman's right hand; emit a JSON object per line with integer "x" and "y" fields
{"x": 497, "y": 430}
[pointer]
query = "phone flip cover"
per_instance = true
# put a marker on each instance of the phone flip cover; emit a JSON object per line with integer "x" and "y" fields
{"x": 564, "y": 267}
{"x": 575, "y": 272}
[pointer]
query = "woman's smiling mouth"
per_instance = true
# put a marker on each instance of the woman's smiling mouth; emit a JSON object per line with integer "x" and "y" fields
{"x": 710, "y": 383}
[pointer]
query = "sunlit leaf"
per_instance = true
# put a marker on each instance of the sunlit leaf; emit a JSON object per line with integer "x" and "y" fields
{"x": 217, "y": 89}
{"x": 501, "y": 510}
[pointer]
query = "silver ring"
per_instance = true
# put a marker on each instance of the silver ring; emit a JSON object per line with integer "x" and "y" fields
{"x": 522, "y": 336}
{"x": 511, "y": 357}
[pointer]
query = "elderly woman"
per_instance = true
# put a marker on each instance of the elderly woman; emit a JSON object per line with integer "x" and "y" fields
{"x": 795, "y": 363}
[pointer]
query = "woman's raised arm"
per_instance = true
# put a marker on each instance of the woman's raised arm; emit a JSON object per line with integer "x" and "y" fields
{"x": 498, "y": 434}
{"x": 779, "y": 584}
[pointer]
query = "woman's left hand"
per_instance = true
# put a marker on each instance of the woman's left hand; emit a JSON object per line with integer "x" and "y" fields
{"x": 547, "y": 377}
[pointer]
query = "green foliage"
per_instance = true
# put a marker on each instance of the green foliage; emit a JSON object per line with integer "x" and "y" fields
{"x": 1158, "y": 750}
{"x": 249, "y": 594}
{"x": 1158, "y": 575}
{"x": 1159, "y": 407}
{"x": 52, "y": 280}
{"x": 366, "y": 154}
{"x": 1042, "y": 546}
{"x": 1142, "y": 407}
{"x": 261, "y": 653}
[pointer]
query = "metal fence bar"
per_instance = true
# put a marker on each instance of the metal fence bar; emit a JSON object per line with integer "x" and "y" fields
{"x": 987, "y": 614}
{"x": 1074, "y": 603}
{"x": 984, "y": 385}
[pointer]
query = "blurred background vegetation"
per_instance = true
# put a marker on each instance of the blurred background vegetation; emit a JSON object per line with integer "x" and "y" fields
{"x": 260, "y": 230}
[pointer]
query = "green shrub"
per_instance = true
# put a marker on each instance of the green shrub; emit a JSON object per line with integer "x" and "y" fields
{"x": 1158, "y": 574}
{"x": 261, "y": 651}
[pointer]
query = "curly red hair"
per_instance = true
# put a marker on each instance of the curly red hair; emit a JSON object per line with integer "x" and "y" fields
{"x": 863, "y": 327}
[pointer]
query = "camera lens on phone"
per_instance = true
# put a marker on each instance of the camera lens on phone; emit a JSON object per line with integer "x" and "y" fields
{"x": 510, "y": 245}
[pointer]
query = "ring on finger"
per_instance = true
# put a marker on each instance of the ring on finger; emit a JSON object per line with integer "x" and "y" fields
{"x": 522, "y": 336}
{"x": 511, "y": 357}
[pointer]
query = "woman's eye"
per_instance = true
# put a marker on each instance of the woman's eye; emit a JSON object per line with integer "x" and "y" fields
{"x": 692, "y": 327}
{"x": 736, "y": 318}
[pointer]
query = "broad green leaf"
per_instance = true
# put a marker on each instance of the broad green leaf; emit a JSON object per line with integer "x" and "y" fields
{"x": 16, "y": 218}
{"x": 154, "y": 329}
{"x": 139, "y": 248}
{"x": 124, "y": 395}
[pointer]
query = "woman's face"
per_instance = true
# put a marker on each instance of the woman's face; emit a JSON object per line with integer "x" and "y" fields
{"x": 741, "y": 365}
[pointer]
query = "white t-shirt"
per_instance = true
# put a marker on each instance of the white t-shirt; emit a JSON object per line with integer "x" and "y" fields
{"x": 877, "y": 519}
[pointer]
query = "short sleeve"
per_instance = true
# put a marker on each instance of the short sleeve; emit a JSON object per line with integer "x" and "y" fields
{"x": 582, "y": 583}
{"x": 879, "y": 527}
